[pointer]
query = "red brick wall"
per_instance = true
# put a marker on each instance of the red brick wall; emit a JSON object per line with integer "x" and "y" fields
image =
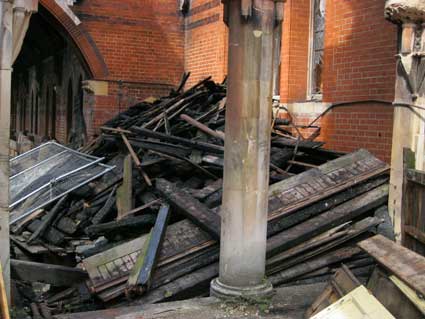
{"x": 142, "y": 44}
{"x": 294, "y": 54}
{"x": 205, "y": 41}
{"x": 359, "y": 64}
{"x": 148, "y": 44}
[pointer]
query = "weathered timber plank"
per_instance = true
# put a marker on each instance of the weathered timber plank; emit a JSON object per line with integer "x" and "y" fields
{"x": 340, "y": 214}
{"x": 391, "y": 297}
{"x": 50, "y": 274}
{"x": 198, "y": 213}
{"x": 125, "y": 191}
{"x": 305, "y": 231}
{"x": 319, "y": 207}
{"x": 207, "y": 147}
{"x": 328, "y": 179}
{"x": 143, "y": 281}
{"x": 291, "y": 257}
{"x": 342, "y": 283}
{"x": 100, "y": 216}
{"x": 135, "y": 224}
{"x": 47, "y": 220}
{"x": 333, "y": 257}
{"x": 309, "y": 229}
{"x": 208, "y": 190}
{"x": 404, "y": 263}
{"x": 180, "y": 238}
{"x": 52, "y": 235}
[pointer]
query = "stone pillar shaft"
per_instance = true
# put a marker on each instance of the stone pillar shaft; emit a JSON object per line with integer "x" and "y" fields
{"x": 408, "y": 129}
{"x": 247, "y": 148}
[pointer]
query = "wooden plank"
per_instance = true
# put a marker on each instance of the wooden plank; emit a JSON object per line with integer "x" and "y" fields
{"x": 207, "y": 147}
{"x": 46, "y": 273}
{"x": 125, "y": 191}
{"x": 198, "y": 213}
{"x": 202, "y": 127}
{"x": 339, "y": 215}
{"x": 342, "y": 283}
{"x": 358, "y": 304}
{"x": 208, "y": 251}
{"x": 317, "y": 183}
{"x": 419, "y": 303}
{"x": 387, "y": 292}
{"x": 319, "y": 207}
{"x": 404, "y": 263}
{"x": 135, "y": 224}
{"x": 208, "y": 190}
{"x": 415, "y": 176}
{"x": 180, "y": 237}
{"x": 333, "y": 257}
{"x": 415, "y": 233}
{"x": 143, "y": 281}
{"x": 47, "y": 220}
{"x": 300, "y": 253}
{"x": 136, "y": 160}
{"x": 100, "y": 216}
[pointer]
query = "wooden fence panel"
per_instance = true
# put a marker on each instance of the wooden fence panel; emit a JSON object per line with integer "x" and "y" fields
{"x": 413, "y": 205}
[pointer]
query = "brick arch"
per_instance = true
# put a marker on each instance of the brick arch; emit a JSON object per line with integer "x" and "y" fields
{"x": 86, "y": 46}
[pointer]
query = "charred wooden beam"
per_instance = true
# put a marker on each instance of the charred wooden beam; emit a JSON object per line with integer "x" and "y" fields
{"x": 190, "y": 207}
{"x": 47, "y": 220}
{"x": 341, "y": 214}
{"x": 106, "y": 208}
{"x": 125, "y": 191}
{"x": 202, "y": 146}
{"x": 46, "y": 273}
{"x": 127, "y": 225}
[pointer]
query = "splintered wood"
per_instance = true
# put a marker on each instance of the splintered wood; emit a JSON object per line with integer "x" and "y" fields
{"x": 168, "y": 152}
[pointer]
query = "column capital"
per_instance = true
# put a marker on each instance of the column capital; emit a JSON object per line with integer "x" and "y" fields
{"x": 29, "y": 6}
{"x": 403, "y": 11}
{"x": 247, "y": 5}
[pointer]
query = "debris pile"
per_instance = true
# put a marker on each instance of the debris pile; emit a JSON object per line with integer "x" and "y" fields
{"x": 149, "y": 229}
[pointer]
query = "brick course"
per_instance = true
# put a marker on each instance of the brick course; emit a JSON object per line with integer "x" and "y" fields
{"x": 149, "y": 44}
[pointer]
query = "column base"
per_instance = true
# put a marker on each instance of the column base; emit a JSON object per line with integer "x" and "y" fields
{"x": 259, "y": 292}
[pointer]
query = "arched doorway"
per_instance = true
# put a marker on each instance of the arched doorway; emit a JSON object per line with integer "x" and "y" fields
{"x": 60, "y": 56}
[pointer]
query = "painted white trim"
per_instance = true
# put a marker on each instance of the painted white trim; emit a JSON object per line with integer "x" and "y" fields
{"x": 310, "y": 51}
{"x": 312, "y": 96}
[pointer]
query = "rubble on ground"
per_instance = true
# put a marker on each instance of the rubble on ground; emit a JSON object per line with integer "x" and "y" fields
{"x": 148, "y": 230}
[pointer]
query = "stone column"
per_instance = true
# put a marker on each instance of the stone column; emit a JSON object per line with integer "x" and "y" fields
{"x": 247, "y": 148}
{"x": 11, "y": 17}
{"x": 408, "y": 129}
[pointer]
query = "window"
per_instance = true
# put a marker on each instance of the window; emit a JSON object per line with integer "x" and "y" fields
{"x": 316, "y": 50}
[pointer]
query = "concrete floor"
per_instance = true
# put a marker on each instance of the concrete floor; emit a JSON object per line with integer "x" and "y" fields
{"x": 287, "y": 303}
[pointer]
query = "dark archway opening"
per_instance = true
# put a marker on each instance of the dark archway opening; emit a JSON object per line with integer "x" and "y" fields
{"x": 52, "y": 70}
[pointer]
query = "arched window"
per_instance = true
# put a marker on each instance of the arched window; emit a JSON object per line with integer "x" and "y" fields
{"x": 69, "y": 109}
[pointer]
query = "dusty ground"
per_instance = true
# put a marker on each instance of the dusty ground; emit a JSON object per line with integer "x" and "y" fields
{"x": 287, "y": 303}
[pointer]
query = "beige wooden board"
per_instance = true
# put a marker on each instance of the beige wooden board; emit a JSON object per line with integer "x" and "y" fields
{"x": 358, "y": 304}
{"x": 402, "y": 262}
{"x": 410, "y": 294}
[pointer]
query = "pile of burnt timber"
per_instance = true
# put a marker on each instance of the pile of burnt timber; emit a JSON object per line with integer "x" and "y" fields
{"x": 149, "y": 230}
